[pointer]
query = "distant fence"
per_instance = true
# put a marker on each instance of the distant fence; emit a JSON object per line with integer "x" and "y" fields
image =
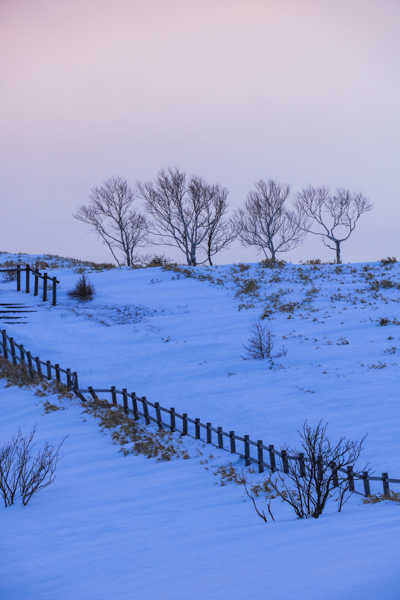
{"x": 36, "y": 276}
{"x": 140, "y": 407}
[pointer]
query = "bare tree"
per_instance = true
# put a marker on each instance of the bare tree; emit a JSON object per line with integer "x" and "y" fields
{"x": 261, "y": 342}
{"x": 316, "y": 473}
{"x": 22, "y": 474}
{"x": 336, "y": 214}
{"x": 110, "y": 215}
{"x": 265, "y": 223}
{"x": 187, "y": 213}
{"x": 221, "y": 232}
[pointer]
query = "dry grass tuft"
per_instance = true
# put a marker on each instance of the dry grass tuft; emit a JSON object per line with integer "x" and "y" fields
{"x": 374, "y": 499}
{"x": 17, "y": 375}
{"x": 159, "y": 444}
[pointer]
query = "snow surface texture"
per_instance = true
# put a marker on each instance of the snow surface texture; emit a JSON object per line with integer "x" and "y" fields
{"x": 133, "y": 528}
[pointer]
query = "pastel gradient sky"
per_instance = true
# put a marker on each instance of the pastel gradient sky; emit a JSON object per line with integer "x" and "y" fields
{"x": 305, "y": 91}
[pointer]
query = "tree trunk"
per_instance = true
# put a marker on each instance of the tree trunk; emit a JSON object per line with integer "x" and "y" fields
{"x": 338, "y": 259}
{"x": 193, "y": 257}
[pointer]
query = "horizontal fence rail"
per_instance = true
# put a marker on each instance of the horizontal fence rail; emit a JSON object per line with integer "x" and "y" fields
{"x": 49, "y": 283}
{"x": 263, "y": 456}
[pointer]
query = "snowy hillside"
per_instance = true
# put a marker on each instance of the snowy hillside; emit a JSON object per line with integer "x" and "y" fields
{"x": 177, "y": 337}
{"x": 134, "y": 528}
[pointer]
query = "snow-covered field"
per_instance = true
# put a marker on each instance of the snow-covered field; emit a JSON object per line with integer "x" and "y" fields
{"x": 133, "y": 528}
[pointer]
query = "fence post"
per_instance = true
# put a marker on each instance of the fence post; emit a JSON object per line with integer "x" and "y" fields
{"x": 12, "y": 348}
{"x": 208, "y": 433}
{"x": 38, "y": 367}
{"x": 197, "y": 429}
{"x": 184, "y": 424}
{"x": 272, "y": 461}
{"x": 35, "y": 283}
{"x": 220, "y": 438}
{"x": 232, "y": 442}
{"x": 58, "y": 374}
{"x": 75, "y": 381}
{"x": 125, "y": 400}
{"x": 367, "y": 489}
{"x": 284, "y": 460}
{"x": 68, "y": 378}
{"x": 27, "y": 269}
{"x": 5, "y": 352}
{"x": 113, "y": 395}
{"x": 145, "y": 410}
{"x": 260, "y": 456}
{"x": 134, "y": 407}
{"x": 172, "y": 421}
{"x": 44, "y": 287}
{"x": 22, "y": 353}
{"x": 48, "y": 363}
{"x": 350, "y": 477}
{"x": 386, "y": 489}
{"x": 54, "y": 300}
{"x": 246, "y": 451}
{"x": 30, "y": 367}
{"x": 92, "y": 392}
{"x": 18, "y": 278}
{"x": 335, "y": 478}
{"x": 158, "y": 414}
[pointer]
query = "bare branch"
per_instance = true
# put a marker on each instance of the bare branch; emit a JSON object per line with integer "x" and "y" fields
{"x": 265, "y": 223}
{"x": 187, "y": 214}
{"x": 311, "y": 481}
{"x": 111, "y": 216}
{"x": 336, "y": 215}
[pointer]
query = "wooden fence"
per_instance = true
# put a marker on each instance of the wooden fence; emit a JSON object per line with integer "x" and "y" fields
{"x": 36, "y": 276}
{"x": 263, "y": 456}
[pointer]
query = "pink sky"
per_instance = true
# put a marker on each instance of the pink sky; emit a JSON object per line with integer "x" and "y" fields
{"x": 232, "y": 90}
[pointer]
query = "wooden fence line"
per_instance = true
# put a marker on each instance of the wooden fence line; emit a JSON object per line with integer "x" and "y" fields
{"x": 36, "y": 276}
{"x": 8, "y": 347}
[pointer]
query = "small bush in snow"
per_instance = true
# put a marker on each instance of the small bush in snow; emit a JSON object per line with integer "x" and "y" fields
{"x": 248, "y": 286}
{"x": 21, "y": 473}
{"x": 8, "y": 276}
{"x": 383, "y": 322}
{"x": 83, "y": 291}
{"x": 307, "y": 486}
{"x": 260, "y": 343}
{"x": 390, "y": 260}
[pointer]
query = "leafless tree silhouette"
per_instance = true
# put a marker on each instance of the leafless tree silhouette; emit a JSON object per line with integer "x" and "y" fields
{"x": 337, "y": 214}
{"x": 188, "y": 213}
{"x": 265, "y": 223}
{"x": 311, "y": 481}
{"x": 110, "y": 214}
{"x": 261, "y": 343}
{"x": 21, "y": 473}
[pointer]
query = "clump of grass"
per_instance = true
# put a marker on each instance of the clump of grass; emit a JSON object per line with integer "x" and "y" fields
{"x": 248, "y": 286}
{"x": 386, "y": 284}
{"x": 390, "y": 260}
{"x": 17, "y": 375}
{"x": 83, "y": 291}
{"x": 229, "y": 474}
{"x": 49, "y": 407}
{"x": 289, "y": 307}
{"x": 242, "y": 267}
{"x": 132, "y": 436}
{"x": 375, "y": 498}
{"x": 383, "y": 321}
{"x": 268, "y": 263}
